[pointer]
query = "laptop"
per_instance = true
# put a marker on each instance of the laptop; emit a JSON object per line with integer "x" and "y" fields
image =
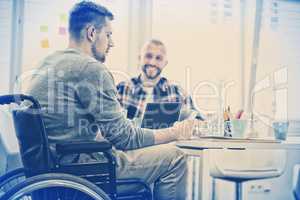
{"x": 161, "y": 115}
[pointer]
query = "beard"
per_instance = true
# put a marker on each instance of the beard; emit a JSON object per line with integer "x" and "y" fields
{"x": 97, "y": 55}
{"x": 151, "y": 77}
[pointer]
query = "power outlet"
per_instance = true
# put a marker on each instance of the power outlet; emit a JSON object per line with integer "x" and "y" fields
{"x": 260, "y": 187}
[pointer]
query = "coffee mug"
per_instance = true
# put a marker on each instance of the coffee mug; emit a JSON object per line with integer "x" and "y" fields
{"x": 238, "y": 127}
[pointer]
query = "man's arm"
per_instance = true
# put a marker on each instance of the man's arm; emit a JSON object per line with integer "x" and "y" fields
{"x": 180, "y": 130}
{"x": 188, "y": 103}
{"x": 100, "y": 100}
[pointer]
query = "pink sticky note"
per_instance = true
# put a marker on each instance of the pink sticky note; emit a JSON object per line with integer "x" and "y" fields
{"x": 62, "y": 30}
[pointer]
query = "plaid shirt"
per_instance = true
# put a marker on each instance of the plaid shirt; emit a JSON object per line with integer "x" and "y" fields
{"x": 132, "y": 93}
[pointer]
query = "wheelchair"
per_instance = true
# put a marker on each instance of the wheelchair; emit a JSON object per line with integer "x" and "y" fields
{"x": 43, "y": 177}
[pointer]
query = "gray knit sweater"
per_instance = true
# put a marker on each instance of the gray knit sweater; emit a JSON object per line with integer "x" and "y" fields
{"x": 79, "y": 98}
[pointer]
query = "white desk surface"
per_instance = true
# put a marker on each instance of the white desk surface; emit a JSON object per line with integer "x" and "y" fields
{"x": 200, "y": 144}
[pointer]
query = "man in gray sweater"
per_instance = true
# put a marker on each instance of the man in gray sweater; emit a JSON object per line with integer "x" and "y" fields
{"x": 79, "y": 99}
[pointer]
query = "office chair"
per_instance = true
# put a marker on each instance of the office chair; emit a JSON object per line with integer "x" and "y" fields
{"x": 239, "y": 166}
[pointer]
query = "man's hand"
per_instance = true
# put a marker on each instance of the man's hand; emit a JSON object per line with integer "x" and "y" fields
{"x": 184, "y": 129}
{"x": 180, "y": 131}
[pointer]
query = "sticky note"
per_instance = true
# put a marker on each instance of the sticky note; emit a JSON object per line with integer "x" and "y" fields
{"x": 44, "y": 28}
{"x": 62, "y": 30}
{"x": 63, "y": 17}
{"x": 45, "y": 43}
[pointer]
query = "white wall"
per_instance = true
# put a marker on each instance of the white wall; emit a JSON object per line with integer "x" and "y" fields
{"x": 203, "y": 45}
{"x": 46, "y": 30}
{"x": 294, "y": 98}
{"x": 5, "y": 39}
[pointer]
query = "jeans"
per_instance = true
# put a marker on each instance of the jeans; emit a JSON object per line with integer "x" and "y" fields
{"x": 163, "y": 166}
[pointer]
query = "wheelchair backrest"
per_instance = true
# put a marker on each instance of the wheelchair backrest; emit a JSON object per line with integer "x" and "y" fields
{"x": 31, "y": 134}
{"x": 9, "y": 148}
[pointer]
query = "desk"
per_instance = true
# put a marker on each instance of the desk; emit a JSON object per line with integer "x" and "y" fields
{"x": 201, "y": 185}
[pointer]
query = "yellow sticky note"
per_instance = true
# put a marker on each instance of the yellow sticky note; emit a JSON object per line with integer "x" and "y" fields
{"x": 44, "y": 28}
{"x": 45, "y": 43}
{"x": 63, "y": 17}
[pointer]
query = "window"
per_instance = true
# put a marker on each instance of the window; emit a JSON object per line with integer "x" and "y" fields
{"x": 279, "y": 60}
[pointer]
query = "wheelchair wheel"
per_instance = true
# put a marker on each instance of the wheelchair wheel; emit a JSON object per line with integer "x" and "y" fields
{"x": 10, "y": 179}
{"x": 55, "y": 186}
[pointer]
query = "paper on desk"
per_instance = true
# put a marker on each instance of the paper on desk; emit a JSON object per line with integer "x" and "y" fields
{"x": 233, "y": 139}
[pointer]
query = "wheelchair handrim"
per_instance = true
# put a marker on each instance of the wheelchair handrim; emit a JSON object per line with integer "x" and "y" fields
{"x": 55, "y": 183}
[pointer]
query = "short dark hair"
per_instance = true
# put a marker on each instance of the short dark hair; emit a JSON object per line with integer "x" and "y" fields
{"x": 156, "y": 42}
{"x": 87, "y": 12}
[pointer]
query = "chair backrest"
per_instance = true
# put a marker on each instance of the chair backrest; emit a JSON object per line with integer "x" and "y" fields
{"x": 247, "y": 164}
{"x": 31, "y": 134}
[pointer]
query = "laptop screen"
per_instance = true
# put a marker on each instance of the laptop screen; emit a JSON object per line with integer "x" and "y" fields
{"x": 161, "y": 115}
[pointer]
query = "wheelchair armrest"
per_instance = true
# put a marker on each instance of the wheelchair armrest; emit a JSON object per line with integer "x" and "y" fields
{"x": 74, "y": 147}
